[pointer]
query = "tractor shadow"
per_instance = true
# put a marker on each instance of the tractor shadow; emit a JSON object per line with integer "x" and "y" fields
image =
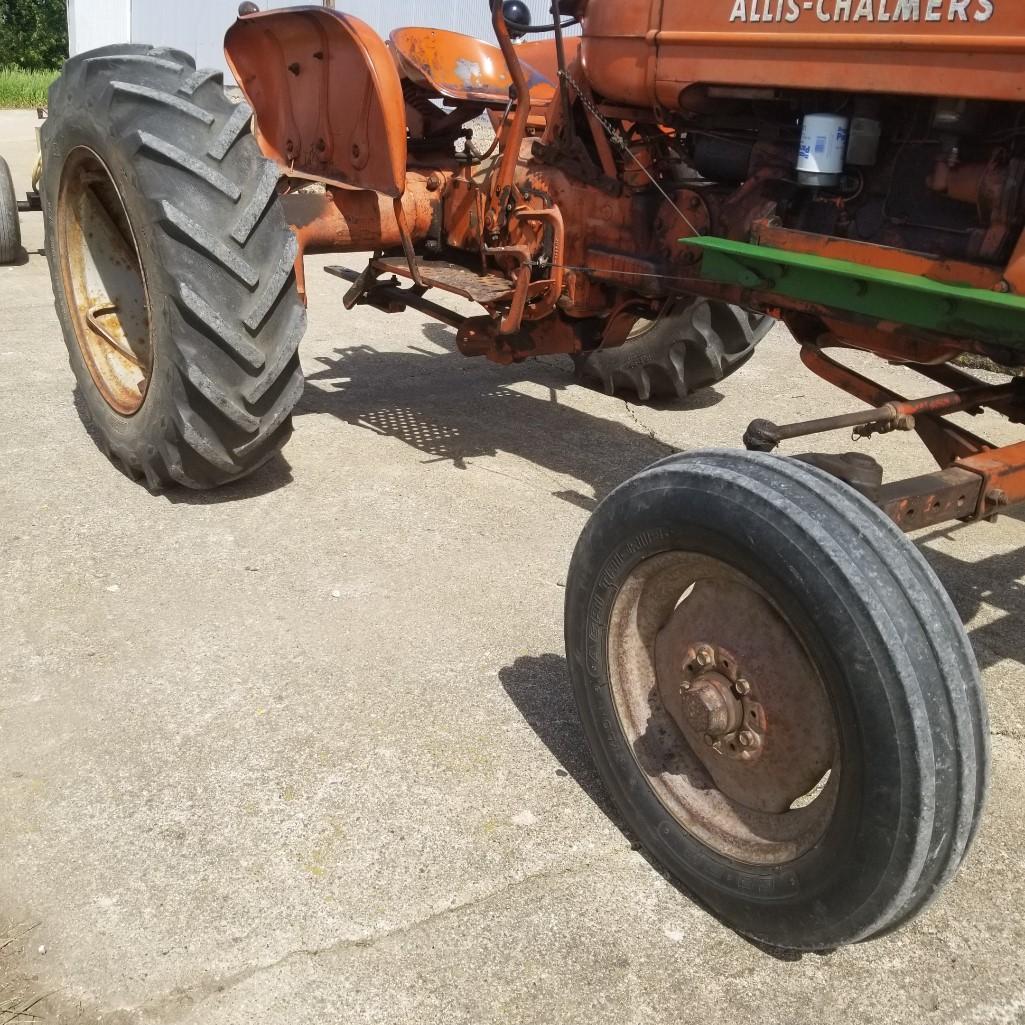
{"x": 995, "y": 583}
{"x": 458, "y": 411}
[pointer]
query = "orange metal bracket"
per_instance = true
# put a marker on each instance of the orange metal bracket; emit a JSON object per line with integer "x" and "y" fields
{"x": 517, "y": 131}
{"x": 554, "y": 284}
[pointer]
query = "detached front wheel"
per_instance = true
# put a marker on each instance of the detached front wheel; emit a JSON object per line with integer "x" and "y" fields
{"x": 172, "y": 267}
{"x": 778, "y": 694}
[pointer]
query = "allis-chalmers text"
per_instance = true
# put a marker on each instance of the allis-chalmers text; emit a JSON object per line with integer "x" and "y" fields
{"x": 876, "y": 11}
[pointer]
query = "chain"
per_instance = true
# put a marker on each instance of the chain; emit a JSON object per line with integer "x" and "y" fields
{"x": 616, "y": 136}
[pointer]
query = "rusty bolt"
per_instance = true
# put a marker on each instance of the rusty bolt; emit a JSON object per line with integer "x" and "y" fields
{"x": 704, "y": 656}
{"x": 434, "y": 182}
{"x": 742, "y": 687}
{"x": 997, "y": 496}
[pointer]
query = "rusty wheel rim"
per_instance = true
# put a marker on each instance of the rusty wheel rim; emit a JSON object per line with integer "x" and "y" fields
{"x": 104, "y": 282}
{"x": 726, "y": 713}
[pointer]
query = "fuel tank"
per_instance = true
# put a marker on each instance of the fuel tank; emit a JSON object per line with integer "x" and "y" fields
{"x": 649, "y": 52}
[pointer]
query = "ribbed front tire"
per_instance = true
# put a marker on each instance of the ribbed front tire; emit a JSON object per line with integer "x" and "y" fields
{"x": 893, "y": 704}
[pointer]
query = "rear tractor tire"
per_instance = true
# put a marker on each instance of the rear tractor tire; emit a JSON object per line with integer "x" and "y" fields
{"x": 778, "y": 694}
{"x": 10, "y": 225}
{"x": 692, "y": 344}
{"x": 172, "y": 267}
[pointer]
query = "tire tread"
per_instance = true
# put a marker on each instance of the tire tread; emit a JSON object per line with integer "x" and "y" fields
{"x": 225, "y": 264}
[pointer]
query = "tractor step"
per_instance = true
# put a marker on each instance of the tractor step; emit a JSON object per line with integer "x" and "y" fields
{"x": 450, "y": 277}
{"x": 388, "y": 297}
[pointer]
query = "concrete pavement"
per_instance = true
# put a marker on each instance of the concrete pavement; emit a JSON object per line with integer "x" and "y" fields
{"x": 303, "y": 750}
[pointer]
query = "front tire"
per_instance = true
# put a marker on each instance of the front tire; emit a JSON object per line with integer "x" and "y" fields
{"x": 778, "y": 694}
{"x": 172, "y": 267}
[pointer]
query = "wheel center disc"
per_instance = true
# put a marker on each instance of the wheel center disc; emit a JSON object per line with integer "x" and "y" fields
{"x": 103, "y": 281}
{"x": 726, "y": 711}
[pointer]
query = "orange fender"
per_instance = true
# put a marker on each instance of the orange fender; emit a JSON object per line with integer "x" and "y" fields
{"x": 326, "y": 95}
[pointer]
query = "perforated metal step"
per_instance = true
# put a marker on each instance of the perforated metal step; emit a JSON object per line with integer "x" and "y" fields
{"x": 450, "y": 277}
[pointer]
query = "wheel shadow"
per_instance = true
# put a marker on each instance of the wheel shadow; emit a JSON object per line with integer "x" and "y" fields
{"x": 458, "y": 411}
{"x": 539, "y": 687}
{"x": 995, "y": 582}
{"x": 22, "y": 257}
{"x": 275, "y": 474}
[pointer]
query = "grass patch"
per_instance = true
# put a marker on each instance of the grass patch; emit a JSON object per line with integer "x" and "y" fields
{"x": 18, "y": 1001}
{"x": 19, "y": 88}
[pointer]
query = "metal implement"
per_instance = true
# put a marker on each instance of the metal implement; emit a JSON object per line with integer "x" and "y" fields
{"x": 878, "y": 293}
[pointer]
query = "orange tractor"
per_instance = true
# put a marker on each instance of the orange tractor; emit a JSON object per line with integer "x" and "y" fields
{"x": 778, "y": 693}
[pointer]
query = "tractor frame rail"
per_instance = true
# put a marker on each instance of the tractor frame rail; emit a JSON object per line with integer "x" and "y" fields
{"x": 977, "y": 480}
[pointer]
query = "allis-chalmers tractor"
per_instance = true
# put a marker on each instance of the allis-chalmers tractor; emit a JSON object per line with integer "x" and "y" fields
{"x": 776, "y": 689}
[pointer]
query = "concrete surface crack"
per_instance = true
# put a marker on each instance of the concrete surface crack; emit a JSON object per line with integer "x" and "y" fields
{"x": 1008, "y": 734}
{"x": 645, "y": 428}
{"x": 203, "y": 991}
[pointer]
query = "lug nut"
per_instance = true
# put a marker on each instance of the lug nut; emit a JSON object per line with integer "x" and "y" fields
{"x": 709, "y": 740}
{"x": 704, "y": 657}
{"x": 742, "y": 687}
{"x": 746, "y": 738}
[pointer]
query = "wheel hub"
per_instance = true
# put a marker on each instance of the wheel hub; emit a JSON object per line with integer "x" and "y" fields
{"x": 104, "y": 282}
{"x": 717, "y": 705}
{"x": 708, "y": 708}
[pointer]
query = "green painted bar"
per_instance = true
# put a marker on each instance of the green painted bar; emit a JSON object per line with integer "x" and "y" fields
{"x": 954, "y": 310}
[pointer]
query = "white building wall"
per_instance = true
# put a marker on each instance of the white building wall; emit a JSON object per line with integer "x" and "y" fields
{"x": 93, "y": 23}
{"x": 195, "y": 26}
{"x": 471, "y": 17}
{"x": 198, "y": 26}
